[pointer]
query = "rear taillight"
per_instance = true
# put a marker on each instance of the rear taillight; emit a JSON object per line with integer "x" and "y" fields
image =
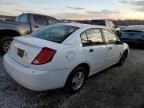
{"x": 45, "y": 56}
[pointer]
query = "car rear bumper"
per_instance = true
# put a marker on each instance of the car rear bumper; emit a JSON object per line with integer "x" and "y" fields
{"x": 35, "y": 79}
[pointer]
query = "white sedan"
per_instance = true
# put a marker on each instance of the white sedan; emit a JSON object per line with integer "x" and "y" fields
{"x": 63, "y": 55}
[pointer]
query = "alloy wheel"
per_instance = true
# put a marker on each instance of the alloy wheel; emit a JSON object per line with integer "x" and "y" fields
{"x": 78, "y": 80}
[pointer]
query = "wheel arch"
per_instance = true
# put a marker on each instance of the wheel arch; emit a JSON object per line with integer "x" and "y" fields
{"x": 86, "y": 66}
{"x": 8, "y": 32}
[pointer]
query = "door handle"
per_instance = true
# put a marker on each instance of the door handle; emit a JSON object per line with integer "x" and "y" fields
{"x": 91, "y": 50}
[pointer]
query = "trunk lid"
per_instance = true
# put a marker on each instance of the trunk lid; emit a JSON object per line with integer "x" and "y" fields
{"x": 25, "y": 49}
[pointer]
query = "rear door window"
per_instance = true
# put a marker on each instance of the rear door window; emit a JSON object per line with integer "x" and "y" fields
{"x": 41, "y": 20}
{"x": 92, "y": 37}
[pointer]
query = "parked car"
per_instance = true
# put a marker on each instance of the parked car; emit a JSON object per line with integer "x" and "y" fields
{"x": 63, "y": 55}
{"x": 107, "y": 23}
{"x": 133, "y": 34}
{"x": 23, "y": 25}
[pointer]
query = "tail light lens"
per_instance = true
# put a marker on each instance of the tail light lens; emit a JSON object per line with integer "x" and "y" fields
{"x": 45, "y": 56}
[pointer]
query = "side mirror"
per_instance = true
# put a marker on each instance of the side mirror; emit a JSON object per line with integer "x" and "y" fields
{"x": 119, "y": 42}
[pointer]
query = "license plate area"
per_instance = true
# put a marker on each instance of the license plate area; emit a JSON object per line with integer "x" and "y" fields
{"x": 20, "y": 52}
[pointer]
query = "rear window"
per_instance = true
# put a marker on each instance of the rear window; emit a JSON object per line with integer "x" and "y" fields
{"x": 55, "y": 33}
{"x": 98, "y": 22}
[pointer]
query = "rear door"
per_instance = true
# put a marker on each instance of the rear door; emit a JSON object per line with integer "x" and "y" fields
{"x": 23, "y": 50}
{"x": 94, "y": 49}
{"x": 113, "y": 50}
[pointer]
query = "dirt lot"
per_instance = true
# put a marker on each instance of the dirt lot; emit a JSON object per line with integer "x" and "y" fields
{"x": 116, "y": 87}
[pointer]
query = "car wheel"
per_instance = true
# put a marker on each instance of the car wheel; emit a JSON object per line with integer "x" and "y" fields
{"x": 76, "y": 80}
{"x": 5, "y": 43}
{"x": 123, "y": 58}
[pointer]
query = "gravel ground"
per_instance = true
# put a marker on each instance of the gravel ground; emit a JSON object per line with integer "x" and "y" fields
{"x": 116, "y": 87}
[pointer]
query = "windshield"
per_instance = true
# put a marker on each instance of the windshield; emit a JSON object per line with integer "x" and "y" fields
{"x": 55, "y": 33}
{"x": 98, "y": 22}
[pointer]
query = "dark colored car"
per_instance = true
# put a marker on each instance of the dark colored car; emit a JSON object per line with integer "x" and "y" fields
{"x": 133, "y": 34}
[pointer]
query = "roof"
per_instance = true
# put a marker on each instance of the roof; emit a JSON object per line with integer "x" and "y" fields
{"x": 82, "y": 26}
{"x": 135, "y": 27}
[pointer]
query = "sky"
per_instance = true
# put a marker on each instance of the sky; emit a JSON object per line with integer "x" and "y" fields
{"x": 76, "y": 9}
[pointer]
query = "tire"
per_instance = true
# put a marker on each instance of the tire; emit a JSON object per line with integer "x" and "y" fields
{"x": 73, "y": 84}
{"x": 123, "y": 58}
{"x": 5, "y": 43}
